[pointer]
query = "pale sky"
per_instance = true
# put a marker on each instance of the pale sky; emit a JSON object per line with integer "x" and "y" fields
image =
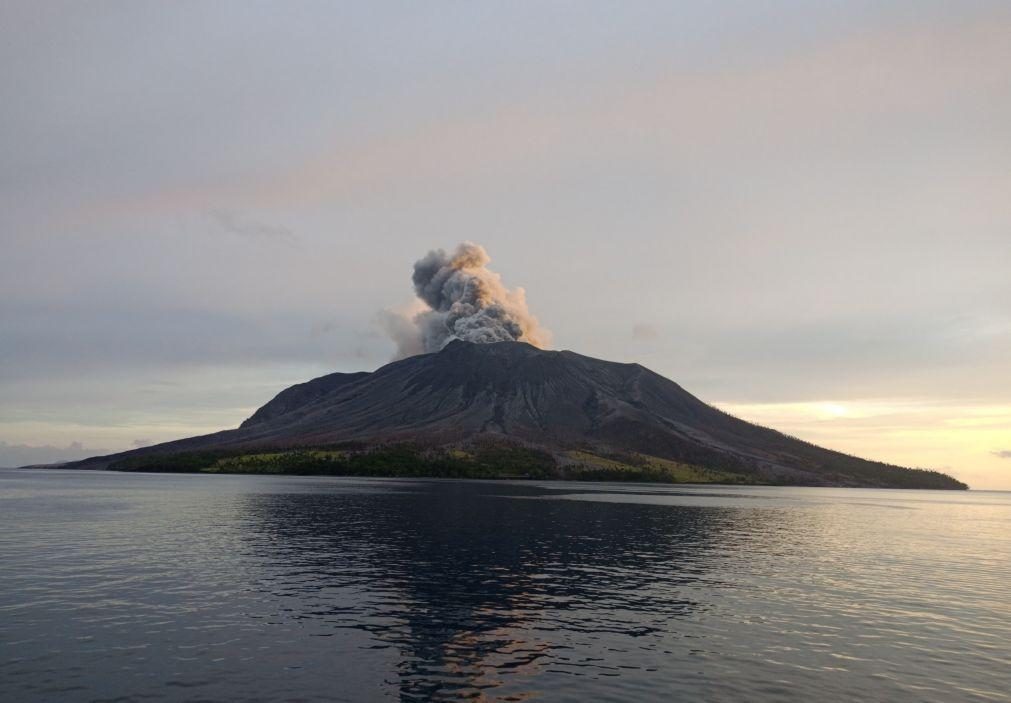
{"x": 799, "y": 211}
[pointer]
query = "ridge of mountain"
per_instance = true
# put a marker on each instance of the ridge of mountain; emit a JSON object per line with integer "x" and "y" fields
{"x": 574, "y": 408}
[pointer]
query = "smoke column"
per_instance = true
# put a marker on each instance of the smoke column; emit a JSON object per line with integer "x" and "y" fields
{"x": 460, "y": 298}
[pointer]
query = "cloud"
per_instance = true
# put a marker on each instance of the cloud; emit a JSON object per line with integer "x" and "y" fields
{"x": 790, "y": 99}
{"x": 250, "y": 229}
{"x": 26, "y": 454}
{"x": 134, "y": 334}
{"x": 644, "y": 332}
{"x": 1003, "y": 453}
{"x": 144, "y": 442}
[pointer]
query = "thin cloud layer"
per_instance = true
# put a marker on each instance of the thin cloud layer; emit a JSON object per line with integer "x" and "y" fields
{"x": 14, "y": 455}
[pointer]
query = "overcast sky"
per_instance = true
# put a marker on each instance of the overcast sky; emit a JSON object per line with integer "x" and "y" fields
{"x": 800, "y": 211}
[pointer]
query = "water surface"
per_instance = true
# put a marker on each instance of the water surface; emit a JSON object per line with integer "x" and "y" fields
{"x": 130, "y": 587}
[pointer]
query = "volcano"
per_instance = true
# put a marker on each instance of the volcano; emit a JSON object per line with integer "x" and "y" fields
{"x": 580, "y": 417}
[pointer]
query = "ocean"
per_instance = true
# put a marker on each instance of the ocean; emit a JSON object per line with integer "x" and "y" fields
{"x": 158, "y": 587}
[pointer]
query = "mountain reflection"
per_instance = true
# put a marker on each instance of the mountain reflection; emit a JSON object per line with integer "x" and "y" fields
{"x": 472, "y": 585}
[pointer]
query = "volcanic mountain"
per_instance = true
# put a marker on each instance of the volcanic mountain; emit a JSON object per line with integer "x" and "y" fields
{"x": 582, "y": 417}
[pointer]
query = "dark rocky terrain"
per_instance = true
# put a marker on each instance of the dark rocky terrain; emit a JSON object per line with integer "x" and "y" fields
{"x": 581, "y": 415}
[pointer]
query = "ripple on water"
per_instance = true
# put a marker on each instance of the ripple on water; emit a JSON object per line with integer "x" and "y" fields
{"x": 126, "y": 587}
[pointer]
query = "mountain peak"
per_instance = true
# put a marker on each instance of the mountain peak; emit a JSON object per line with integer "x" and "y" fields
{"x": 460, "y": 346}
{"x": 561, "y": 403}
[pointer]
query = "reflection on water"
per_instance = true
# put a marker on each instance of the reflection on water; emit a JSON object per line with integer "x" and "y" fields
{"x": 122, "y": 587}
{"x": 466, "y": 586}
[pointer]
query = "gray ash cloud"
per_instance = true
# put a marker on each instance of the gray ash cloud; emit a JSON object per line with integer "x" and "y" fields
{"x": 459, "y": 297}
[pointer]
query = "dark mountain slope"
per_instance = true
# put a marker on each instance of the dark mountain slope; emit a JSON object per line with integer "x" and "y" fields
{"x": 558, "y": 402}
{"x": 301, "y": 394}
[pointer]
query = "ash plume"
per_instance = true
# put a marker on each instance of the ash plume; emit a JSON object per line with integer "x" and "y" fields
{"x": 460, "y": 298}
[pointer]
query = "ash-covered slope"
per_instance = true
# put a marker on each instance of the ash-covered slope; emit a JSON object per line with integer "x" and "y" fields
{"x": 550, "y": 400}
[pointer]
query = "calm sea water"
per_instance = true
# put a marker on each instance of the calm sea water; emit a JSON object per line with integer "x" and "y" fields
{"x": 126, "y": 587}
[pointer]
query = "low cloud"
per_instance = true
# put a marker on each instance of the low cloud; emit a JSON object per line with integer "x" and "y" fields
{"x": 12, "y": 455}
{"x": 250, "y": 229}
{"x": 1003, "y": 453}
{"x": 643, "y": 332}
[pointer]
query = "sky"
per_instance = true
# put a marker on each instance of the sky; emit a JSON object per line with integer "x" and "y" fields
{"x": 799, "y": 211}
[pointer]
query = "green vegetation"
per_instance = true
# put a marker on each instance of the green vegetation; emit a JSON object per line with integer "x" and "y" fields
{"x": 276, "y": 462}
{"x": 489, "y": 460}
{"x": 643, "y": 467}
